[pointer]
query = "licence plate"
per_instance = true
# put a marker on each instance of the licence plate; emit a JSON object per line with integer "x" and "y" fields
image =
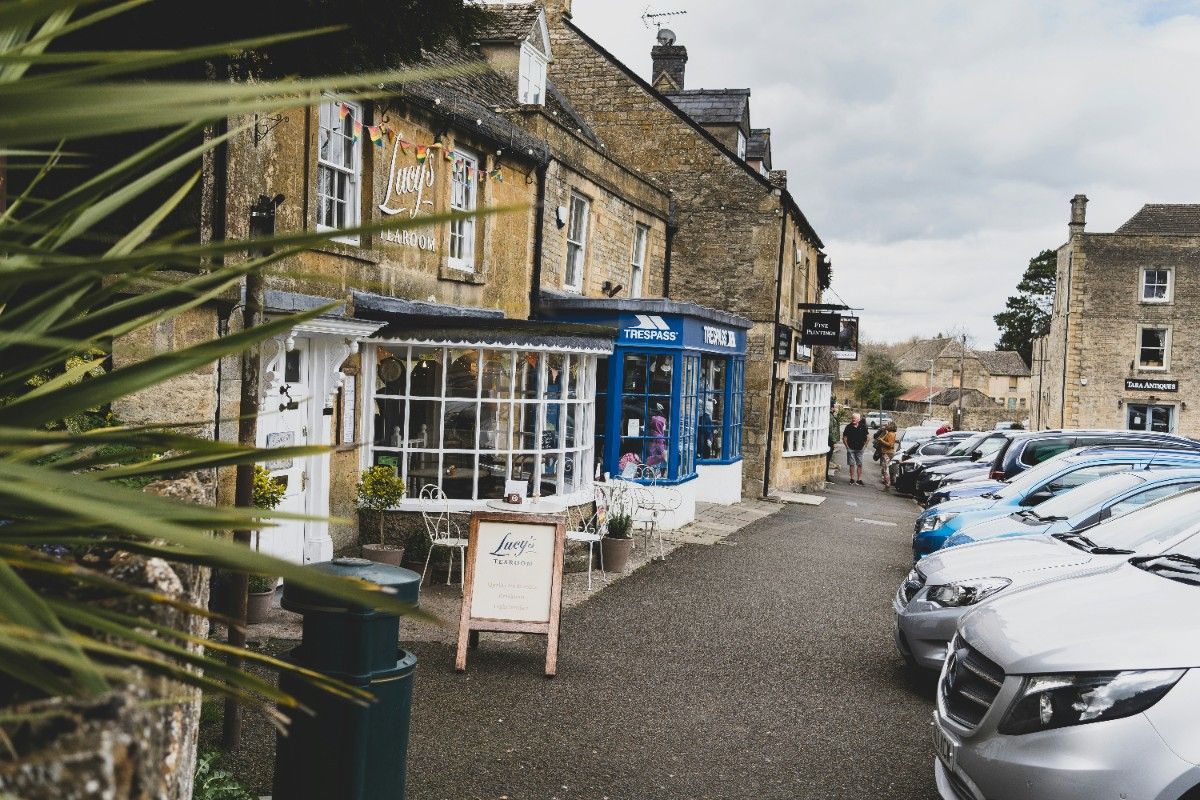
{"x": 944, "y": 745}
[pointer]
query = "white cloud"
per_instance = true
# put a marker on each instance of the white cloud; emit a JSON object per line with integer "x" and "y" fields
{"x": 935, "y": 144}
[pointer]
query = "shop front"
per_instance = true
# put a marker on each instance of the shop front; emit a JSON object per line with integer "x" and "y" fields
{"x": 466, "y": 402}
{"x": 669, "y": 399}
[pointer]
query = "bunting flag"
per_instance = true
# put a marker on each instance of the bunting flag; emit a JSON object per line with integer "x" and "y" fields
{"x": 376, "y": 135}
{"x": 343, "y": 110}
{"x": 357, "y": 130}
{"x": 421, "y": 153}
{"x": 496, "y": 175}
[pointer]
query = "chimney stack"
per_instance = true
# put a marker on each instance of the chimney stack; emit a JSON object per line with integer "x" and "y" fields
{"x": 668, "y": 63}
{"x": 778, "y": 178}
{"x": 556, "y": 10}
{"x": 1078, "y": 214}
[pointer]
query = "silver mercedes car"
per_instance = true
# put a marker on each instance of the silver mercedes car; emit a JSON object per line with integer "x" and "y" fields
{"x": 948, "y": 583}
{"x": 1077, "y": 689}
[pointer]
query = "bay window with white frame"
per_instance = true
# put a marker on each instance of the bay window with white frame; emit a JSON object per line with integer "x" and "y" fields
{"x": 464, "y": 192}
{"x": 339, "y": 169}
{"x": 467, "y": 418}
{"x": 806, "y": 419}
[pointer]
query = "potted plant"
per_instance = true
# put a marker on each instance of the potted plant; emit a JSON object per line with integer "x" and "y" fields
{"x": 617, "y": 541}
{"x": 378, "y": 490}
{"x": 261, "y": 588}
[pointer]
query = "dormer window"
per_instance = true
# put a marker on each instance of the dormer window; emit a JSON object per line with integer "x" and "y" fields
{"x": 532, "y": 80}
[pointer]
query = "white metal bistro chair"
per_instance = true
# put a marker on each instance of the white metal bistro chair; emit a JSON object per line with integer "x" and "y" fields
{"x": 654, "y": 502}
{"x": 443, "y": 531}
{"x": 590, "y": 529}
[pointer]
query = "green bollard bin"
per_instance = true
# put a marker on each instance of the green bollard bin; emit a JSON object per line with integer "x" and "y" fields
{"x": 344, "y": 750}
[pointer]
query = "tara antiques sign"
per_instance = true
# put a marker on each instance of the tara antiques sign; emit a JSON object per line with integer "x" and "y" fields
{"x": 514, "y": 579}
{"x": 1151, "y": 385}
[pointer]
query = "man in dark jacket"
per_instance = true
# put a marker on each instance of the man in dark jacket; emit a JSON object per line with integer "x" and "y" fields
{"x": 855, "y": 436}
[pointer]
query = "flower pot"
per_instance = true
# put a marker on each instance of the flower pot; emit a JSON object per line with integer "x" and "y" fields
{"x": 383, "y": 554}
{"x": 258, "y": 605}
{"x": 616, "y": 553}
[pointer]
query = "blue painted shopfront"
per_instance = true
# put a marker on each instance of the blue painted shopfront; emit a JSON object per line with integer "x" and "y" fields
{"x": 671, "y": 394}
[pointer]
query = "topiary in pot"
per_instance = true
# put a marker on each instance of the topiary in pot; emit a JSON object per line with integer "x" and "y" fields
{"x": 378, "y": 490}
{"x": 260, "y": 589}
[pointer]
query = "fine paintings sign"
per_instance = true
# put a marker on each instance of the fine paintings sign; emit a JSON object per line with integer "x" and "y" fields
{"x": 820, "y": 329}
{"x": 513, "y": 582}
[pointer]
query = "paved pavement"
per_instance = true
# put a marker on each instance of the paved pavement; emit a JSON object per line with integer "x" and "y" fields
{"x": 758, "y": 667}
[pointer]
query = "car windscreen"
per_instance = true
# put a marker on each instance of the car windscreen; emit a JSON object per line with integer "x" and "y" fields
{"x": 967, "y": 447}
{"x": 1079, "y": 500}
{"x": 911, "y": 435}
{"x": 1149, "y": 529}
{"x": 1033, "y": 476}
{"x": 991, "y": 446}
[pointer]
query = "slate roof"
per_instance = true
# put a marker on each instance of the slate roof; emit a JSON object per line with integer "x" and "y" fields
{"x": 758, "y": 146}
{"x": 509, "y": 22}
{"x": 917, "y": 358}
{"x": 1164, "y": 219}
{"x": 1003, "y": 362}
{"x": 996, "y": 362}
{"x": 476, "y": 96}
{"x": 713, "y": 106}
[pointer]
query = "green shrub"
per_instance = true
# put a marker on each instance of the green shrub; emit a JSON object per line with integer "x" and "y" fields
{"x": 620, "y": 525}
{"x": 380, "y": 489}
{"x": 214, "y": 783}
{"x": 267, "y": 491}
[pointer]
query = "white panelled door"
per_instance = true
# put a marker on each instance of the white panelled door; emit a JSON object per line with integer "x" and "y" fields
{"x": 285, "y": 421}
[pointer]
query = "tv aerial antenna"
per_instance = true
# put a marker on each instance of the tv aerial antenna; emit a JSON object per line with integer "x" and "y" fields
{"x": 656, "y": 18}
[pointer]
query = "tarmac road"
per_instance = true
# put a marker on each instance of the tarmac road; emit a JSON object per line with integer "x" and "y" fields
{"x": 762, "y": 667}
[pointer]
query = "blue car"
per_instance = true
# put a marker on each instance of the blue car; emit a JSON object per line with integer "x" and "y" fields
{"x": 1071, "y": 513}
{"x": 1034, "y": 486}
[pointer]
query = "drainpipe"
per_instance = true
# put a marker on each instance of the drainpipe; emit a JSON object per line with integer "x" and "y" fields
{"x": 771, "y": 345}
{"x": 539, "y": 227}
{"x": 262, "y": 224}
{"x": 670, "y": 243}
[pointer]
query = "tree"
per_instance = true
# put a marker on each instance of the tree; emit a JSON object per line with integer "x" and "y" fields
{"x": 877, "y": 380}
{"x": 1026, "y": 314}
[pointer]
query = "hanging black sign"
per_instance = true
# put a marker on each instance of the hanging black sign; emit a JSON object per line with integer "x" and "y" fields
{"x": 783, "y": 342}
{"x": 821, "y": 329}
{"x": 1151, "y": 385}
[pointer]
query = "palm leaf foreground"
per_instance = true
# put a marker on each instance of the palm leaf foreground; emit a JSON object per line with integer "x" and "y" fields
{"x": 68, "y": 287}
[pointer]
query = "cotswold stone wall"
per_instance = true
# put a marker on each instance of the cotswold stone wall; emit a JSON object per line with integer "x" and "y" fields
{"x": 1099, "y": 343}
{"x": 727, "y": 248}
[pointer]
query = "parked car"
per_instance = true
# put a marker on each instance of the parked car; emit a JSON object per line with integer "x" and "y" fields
{"x": 1035, "y": 486}
{"x": 1025, "y": 450}
{"x": 944, "y": 586}
{"x": 963, "y": 451}
{"x": 1076, "y": 689}
{"x": 925, "y": 445}
{"x": 876, "y": 418}
{"x": 1007, "y": 426}
{"x": 1079, "y": 509}
{"x": 981, "y": 452}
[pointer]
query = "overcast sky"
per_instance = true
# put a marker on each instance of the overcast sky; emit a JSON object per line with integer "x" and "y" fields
{"x": 935, "y": 144}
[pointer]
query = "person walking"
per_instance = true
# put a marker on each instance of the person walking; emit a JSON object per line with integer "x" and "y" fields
{"x": 887, "y": 449}
{"x": 854, "y": 437}
{"x": 833, "y": 438}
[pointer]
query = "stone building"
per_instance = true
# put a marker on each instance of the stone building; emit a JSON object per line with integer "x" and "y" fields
{"x": 998, "y": 374}
{"x": 739, "y": 240}
{"x": 1124, "y": 338}
{"x": 433, "y": 358}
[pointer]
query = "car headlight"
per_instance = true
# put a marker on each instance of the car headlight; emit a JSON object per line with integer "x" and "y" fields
{"x": 1056, "y": 701}
{"x": 965, "y": 593}
{"x": 932, "y": 521}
